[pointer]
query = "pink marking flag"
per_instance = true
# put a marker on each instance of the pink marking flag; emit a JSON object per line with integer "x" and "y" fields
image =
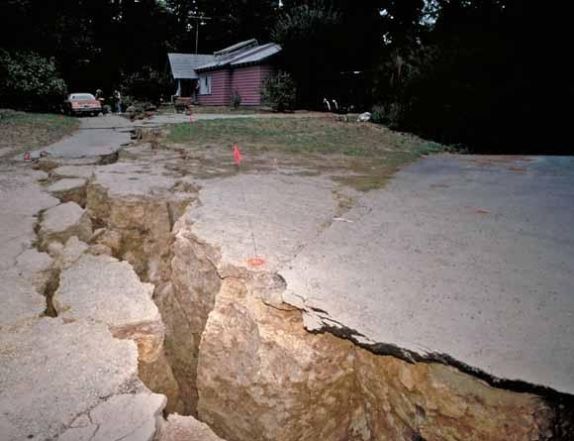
{"x": 237, "y": 155}
{"x": 27, "y": 156}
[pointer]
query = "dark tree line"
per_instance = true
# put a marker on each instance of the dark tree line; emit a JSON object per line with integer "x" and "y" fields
{"x": 489, "y": 74}
{"x": 95, "y": 42}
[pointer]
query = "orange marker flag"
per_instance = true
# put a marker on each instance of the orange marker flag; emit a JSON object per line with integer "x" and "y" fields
{"x": 237, "y": 155}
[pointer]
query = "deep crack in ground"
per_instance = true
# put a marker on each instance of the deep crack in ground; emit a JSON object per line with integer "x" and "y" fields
{"x": 196, "y": 298}
{"x": 238, "y": 358}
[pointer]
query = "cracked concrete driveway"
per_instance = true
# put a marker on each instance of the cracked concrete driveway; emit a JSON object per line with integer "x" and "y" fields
{"x": 467, "y": 259}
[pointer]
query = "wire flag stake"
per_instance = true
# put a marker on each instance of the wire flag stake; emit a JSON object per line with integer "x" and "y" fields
{"x": 256, "y": 260}
{"x": 237, "y": 155}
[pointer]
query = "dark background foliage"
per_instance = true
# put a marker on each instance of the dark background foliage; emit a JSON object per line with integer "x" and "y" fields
{"x": 493, "y": 75}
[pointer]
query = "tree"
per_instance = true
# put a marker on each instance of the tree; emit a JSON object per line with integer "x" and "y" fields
{"x": 147, "y": 84}
{"x": 229, "y": 21}
{"x": 326, "y": 40}
{"x": 478, "y": 75}
{"x": 94, "y": 42}
{"x": 306, "y": 33}
{"x": 280, "y": 91}
{"x": 29, "y": 81}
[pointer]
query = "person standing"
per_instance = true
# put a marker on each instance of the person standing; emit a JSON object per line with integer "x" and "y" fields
{"x": 118, "y": 101}
{"x": 102, "y": 100}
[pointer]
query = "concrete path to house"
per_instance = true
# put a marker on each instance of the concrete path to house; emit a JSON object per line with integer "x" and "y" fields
{"x": 467, "y": 259}
{"x": 96, "y": 136}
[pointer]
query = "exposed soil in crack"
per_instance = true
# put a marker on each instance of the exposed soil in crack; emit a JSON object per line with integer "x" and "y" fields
{"x": 36, "y": 242}
{"x": 346, "y": 333}
{"x": 561, "y": 405}
{"x": 255, "y": 354}
{"x": 53, "y": 279}
{"x": 137, "y": 229}
{"x": 109, "y": 159}
{"x": 49, "y": 291}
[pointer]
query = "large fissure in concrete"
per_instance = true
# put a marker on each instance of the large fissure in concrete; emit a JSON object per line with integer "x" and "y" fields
{"x": 240, "y": 359}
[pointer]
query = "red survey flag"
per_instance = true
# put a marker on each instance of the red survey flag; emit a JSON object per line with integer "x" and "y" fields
{"x": 27, "y": 156}
{"x": 237, "y": 155}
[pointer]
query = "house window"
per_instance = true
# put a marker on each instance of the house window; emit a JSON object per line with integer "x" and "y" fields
{"x": 205, "y": 84}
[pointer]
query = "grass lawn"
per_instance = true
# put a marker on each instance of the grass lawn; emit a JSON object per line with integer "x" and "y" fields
{"x": 363, "y": 155}
{"x": 21, "y": 131}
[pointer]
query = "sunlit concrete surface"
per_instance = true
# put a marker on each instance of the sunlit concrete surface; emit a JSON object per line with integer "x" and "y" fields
{"x": 467, "y": 259}
{"x": 472, "y": 257}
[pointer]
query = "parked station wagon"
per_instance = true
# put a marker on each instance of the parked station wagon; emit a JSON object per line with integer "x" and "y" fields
{"x": 82, "y": 103}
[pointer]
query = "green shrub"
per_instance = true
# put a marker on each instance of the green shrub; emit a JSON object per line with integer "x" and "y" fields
{"x": 279, "y": 91}
{"x": 146, "y": 85}
{"x": 378, "y": 114}
{"x": 29, "y": 81}
{"x": 390, "y": 114}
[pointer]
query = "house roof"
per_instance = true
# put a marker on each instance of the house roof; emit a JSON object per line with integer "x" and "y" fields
{"x": 240, "y": 54}
{"x": 183, "y": 65}
{"x": 242, "y": 45}
{"x": 257, "y": 54}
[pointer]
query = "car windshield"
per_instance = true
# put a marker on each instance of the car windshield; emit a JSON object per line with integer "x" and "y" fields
{"x": 82, "y": 96}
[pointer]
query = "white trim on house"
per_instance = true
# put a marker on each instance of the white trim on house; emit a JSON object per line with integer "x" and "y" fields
{"x": 204, "y": 84}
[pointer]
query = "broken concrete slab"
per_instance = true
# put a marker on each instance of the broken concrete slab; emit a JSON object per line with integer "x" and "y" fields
{"x": 66, "y": 255}
{"x": 20, "y": 201}
{"x": 67, "y": 184}
{"x": 138, "y": 205}
{"x": 103, "y": 289}
{"x": 35, "y": 267}
{"x": 23, "y": 271}
{"x": 47, "y": 374}
{"x": 185, "y": 428}
{"x": 265, "y": 217}
{"x": 133, "y": 178}
{"x": 52, "y": 372}
{"x": 20, "y": 300}
{"x": 64, "y": 221}
{"x": 67, "y": 190}
{"x": 16, "y": 236}
{"x": 140, "y": 418}
{"x": 457, "y": 260}
{"x": 73, "y": 171}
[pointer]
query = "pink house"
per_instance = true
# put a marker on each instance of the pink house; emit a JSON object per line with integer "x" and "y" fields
{"x": 239, "y": 69}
